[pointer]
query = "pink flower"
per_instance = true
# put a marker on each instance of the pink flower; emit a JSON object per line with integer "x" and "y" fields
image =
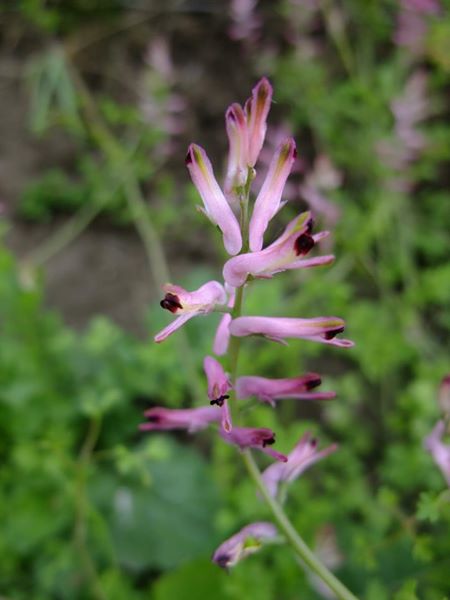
{"x": 192, "y": 419}
{"x": 246, "y": 129}
{"x": 303, "y": 455}
{"x": 247, "y": 541}
{"x": 189, "y": 304}
{"x": 268, "y": 200}
{"x": 439, "y": 451}
{"x": 217, "y": 208}
{"x": 248, "y": 437}
{"x": 237, "y": 131}
{"x": 285, "y": 253}
{"x": 270, "y": 390}
{"x": 222, "y": 337}
{"x": 218, "y": 388}
{"x": 257, "y": 108}
{"x": 319, "y": 329}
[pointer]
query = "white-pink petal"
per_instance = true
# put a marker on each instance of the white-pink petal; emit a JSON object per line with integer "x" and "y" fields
{"x": 268, "y": 200}
{"x": 216, "y": 205}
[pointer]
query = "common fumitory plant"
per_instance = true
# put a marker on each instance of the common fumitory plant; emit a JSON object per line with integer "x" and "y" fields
{"x": 243, "y": 227}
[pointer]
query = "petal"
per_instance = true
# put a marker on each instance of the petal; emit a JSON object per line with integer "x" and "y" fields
{"x": 257, "y": 108}
{"x": 191, "y": 419}
{"x": 226, "y": 417}
{"x": 281, "y": 327}
{"x": 222, "y": 336}
{"x": 218, "y": 383}
{"x": 216, "y": 205}
{"x": 247, "y": 541}
{"x": 172, "y": 327}
{"x": 281, "y": 255}
{"x": 269, "y": 390}
{"x": 268, "y": 201}
{"x": 236, "y": 125}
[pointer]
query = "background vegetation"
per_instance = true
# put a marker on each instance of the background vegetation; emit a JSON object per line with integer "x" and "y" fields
{"x": 99, "y": 101}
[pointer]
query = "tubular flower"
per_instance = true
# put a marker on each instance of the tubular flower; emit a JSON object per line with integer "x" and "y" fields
{"x": 439, "y": 451}
{"x": 249, "y": 437}
{"x": 217, "y": 208}
{"x": 268, "y": 200}
{"x": 222, "y": 337}
{"x": 218, "y": 388}
{"x": 237, "y": 131}
{"x": 284, "y": 254}
{"x": 247, "y": 541}
{"x": 270, "y": 390}
{"x": 191, "y": 419}
{"x": 319, "y": 329}
{"x": 303, "y": 455}
{"x": 257, "y": 108}
{"x": 189, "y": 304}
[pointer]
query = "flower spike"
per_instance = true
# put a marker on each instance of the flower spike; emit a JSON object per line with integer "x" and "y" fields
{"x": 286, "y": 253}
{"x": 216, "y": 206}
{"x": 271, "y": 390}
{"x": 268, "y": 200}
{"x": 247, "y": 541}
{"x": 191, "y": 419}
{"x": 189, "y": 304}
{"x": 320, "y": 329}
{"x": 303, "y": 455}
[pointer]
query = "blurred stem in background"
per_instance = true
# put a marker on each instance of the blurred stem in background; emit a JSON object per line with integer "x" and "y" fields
{"x": 120, "y": 160}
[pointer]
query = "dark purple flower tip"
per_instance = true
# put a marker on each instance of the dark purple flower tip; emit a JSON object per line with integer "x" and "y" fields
{"x": 222, "y": 560}
{"x": 188, "y": 159}
{"x": 312, "y": 383}
{"x": 171, "y": 302}
{"x": 310, "y": 225}
{"x": 303, "y": 244}
{"x": 329, "y": 335}
{"x": 268, "y": 441}
{"x": 220, "y": 400}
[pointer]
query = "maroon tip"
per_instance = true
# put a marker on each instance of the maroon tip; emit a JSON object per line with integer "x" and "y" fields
{"x": 268, "y": 441}
{"x": 313, "y": 383}
{"x": 303, "y": 244}
{"x": 329, "y": 335}
{"x": 171, "y": 302}
{"x": 220, "y": 400}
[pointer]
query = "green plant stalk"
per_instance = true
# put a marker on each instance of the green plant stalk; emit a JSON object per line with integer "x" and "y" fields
{"x": 307, "y": 557}
{"x": 63, "y": 236}
{"x": 80, "y": 533}
{"x": 300, "y": 548}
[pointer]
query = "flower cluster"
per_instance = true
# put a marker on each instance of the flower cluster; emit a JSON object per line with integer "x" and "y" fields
{"x": 243, "y": 238}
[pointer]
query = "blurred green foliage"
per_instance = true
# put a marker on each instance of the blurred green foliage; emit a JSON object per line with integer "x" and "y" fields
{"x": 92, "y": 508}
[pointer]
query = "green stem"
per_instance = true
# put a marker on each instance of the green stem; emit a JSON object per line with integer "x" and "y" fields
{"x": 81, "y": 507}
{"x": 63, "y": 236}
{"x": 298, "y": 545}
